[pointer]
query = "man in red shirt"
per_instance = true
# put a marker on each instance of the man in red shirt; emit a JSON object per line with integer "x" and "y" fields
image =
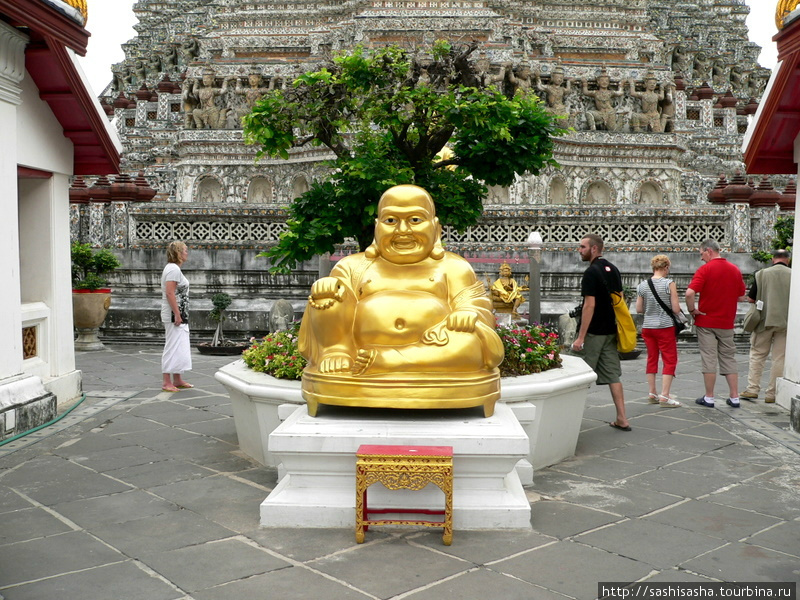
{"x": 721, "y": 287}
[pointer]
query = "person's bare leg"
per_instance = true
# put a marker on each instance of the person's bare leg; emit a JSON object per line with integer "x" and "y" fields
{"x": 733, "y": 385}
{"x": 651, "y": 382}
{"x": 709, "y": 379}
{"x": 618, "y": 396}
{"x": 666, "y": 384}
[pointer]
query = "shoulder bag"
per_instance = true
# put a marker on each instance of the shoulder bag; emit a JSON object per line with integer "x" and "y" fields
{"x": 679, "y": 325}
{"x": 626, "y": 328}
{"x": 753, "y": 316}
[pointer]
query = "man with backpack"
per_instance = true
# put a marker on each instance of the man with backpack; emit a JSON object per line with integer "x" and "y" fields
{"x": 596, "y": 341}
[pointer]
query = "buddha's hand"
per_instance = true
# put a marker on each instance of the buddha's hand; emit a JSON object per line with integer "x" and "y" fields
{"x": 325, "y": 292}
{"x": 462, "y": 320}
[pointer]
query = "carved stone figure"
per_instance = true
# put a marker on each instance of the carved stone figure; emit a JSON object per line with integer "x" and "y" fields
{"x": 719, "y": 75}
{"x": 405, "y": 324}
{"x": 189, "y": 50}
{"x": 208, "y": 115}
{"x": 681, "y": 60}
{"x": 523, "y": 79}
{"x": 169, "y": 60}
{"x": 189, "y": 101}
{"x": 667, "y": 107}
{"x": 506, "y": 293}
{"x": 140, "y": 71}
{"x": 153, "y": 65}
{"x": 605, "y": 114}
{"x": 555, "y": 91}
{"x": 702, "y": 66}
{"x": 650, "y": 117}
{"x": 252, "y": 93}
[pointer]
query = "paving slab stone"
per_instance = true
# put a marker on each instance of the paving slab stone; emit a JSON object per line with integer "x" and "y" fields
{"x": 711, "y": 519}
{"x": 645, "y": 454}
{"x": 154, "y": 439}
{"x": 118, "y": 581}
{"x": 305, "y": 545}
{"x": 117, "y": 458}
{"x": 220, "y": 427}
{"x": 784, "y": 537}
{"x": 389, "y": 567}
{"x": 168, "y": 531}
{"x": 679, "y": 575}
{"x": 127, "y": 423}
{"x": 51, "y": 480}
{"x": 624, "y": 498}
{"x": 746, "y": 562}
{"x": 604, "y": 438}
{"x": 294, "y": 583}
{"x": 602, "y": 468}
{"x": 683, "y": 485}
{"x": 743, "y": 453}
{"x": 267, "y": 477}
{"x": 484, "y": 583}
{"x": 546, "y": 567}
{"x": 563, "y": 520}
{"x": 666, "y": 420}
{"x": 635, "y": 539}
{"x": 782, "y": 504}
{"x": 90, "y": 442}
{"x": 711, "y": 430}
{"x": 681, "y": 442}
{"x": 160, "y": 473}
{"x": 92, "y": 513}
{"x": 10, "y": 500}
{"x": 213, "y": 563}
{"x": 29, "y": 524}
{"x": 481, "y": 547}
{"x": 552, "y": 483}
{"x": 45, "y": 557}
{"x": 231, "y": 503}
{"x": 171, "y": 413}
{"x": 723, "y": 470}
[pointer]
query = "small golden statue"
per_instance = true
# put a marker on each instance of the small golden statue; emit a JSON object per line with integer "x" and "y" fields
{"x": 405, "y": 324}
{"x": 506, "y": 293}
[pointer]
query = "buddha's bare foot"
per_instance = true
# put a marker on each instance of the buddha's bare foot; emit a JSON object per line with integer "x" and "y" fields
{"x": 364, "y": 360}
{"x": 336, "y": 362}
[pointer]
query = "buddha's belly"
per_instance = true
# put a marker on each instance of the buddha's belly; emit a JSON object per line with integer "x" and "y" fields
{"x": 397, "y": 318}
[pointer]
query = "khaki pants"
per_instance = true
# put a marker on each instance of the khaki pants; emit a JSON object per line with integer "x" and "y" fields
{"x": 760, "y": 344}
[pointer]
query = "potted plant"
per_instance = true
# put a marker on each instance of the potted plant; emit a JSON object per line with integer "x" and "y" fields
{"x": 545, "y": 390}
{"x": 91, "y": 296}
{"x": 219, "y": 345}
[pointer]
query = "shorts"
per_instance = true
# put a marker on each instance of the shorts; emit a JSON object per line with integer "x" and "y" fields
{"x": 717, "y": 347}
{"x": 600, "y": 353}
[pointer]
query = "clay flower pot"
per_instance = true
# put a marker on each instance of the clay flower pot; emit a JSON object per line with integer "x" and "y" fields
{"x": 89, "y": 310}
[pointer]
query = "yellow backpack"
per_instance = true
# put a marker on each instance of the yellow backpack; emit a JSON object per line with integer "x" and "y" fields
{"x": 626, "y": 329}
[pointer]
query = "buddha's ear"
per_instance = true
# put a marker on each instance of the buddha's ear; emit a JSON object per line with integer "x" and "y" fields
{"x": 437, "y": 252}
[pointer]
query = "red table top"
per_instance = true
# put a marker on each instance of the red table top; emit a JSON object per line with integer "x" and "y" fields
{"x": 406, "y": 450}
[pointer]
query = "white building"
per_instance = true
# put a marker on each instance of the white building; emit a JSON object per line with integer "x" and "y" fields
{"x": 772, "y": 145}
{"x": 52, "y": 128}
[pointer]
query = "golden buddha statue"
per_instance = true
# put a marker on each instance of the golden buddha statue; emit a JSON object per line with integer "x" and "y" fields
{"x": 506, "y": 293}
{"x": 405, "y": 324}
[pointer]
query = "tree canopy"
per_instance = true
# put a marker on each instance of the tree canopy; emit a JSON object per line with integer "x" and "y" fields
{"x": 386, "y": 114}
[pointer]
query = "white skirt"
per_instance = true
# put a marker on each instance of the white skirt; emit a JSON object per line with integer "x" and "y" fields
{"x": 177, "y": 357}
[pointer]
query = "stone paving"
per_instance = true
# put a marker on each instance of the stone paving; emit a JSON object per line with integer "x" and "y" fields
{"x": 141, "y": 494}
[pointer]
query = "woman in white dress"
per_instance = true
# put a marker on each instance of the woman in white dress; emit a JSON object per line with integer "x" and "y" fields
{"x": 177, "y": 357}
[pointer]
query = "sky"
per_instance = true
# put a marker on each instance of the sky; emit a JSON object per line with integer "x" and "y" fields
{"x": 111, "y": 25}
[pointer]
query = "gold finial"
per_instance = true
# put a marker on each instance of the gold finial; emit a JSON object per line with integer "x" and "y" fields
{"x": 785, "y": 7}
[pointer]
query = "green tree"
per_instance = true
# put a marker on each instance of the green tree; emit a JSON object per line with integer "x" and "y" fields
{"x": 386, "y": 115}
{"x": 784, "y": 236}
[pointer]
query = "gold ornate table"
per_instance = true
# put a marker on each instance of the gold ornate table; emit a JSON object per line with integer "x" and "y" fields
{"x": 404, "y": 467}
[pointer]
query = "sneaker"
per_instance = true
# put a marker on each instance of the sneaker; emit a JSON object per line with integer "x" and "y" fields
{"x": 769, "y": 400}
{"x": 703, "y": 402}
{"x": 734, "y": 402}
{"x": 748, "y": 395}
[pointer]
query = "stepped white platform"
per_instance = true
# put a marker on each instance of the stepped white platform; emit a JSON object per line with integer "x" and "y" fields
{"x": 318, "y": 457}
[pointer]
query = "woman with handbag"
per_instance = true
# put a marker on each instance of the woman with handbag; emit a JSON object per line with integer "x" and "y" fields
{"x": 657, "y": 298}
{"x": 177, "y": 356}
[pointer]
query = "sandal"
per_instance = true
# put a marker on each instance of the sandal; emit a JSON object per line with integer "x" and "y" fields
{"x": 652, "y": 398}
{"x": 615, "y": 425}
{"x": 184, "y": 386}
{"x": 169, "y": 388}
{"x": 668, "y": 402}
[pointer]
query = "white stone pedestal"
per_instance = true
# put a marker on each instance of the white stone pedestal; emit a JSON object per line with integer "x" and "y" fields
{"x": 319, "y": 458}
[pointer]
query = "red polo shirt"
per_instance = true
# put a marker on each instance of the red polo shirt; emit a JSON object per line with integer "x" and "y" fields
{"x": 720, "y": 286}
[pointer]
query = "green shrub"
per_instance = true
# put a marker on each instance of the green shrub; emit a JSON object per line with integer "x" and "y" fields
{"x": 531, "y": 349}
{"x": 89, "y": 266}
{"x": 277, "y": 355}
